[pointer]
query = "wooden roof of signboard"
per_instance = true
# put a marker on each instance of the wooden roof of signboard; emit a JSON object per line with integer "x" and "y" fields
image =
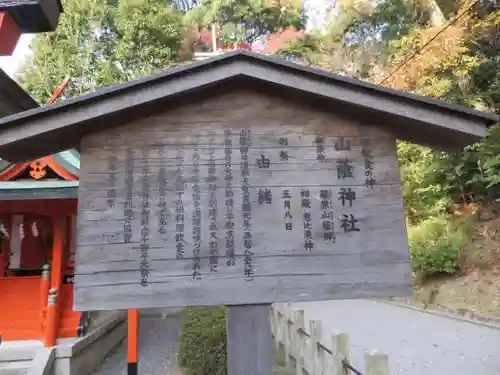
{"x": 13, "y": 98}
{"x": 53, "y": 128}
{"x": 66, "y": 164}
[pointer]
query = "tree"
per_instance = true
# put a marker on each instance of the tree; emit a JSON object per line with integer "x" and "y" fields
{"x": 247, "y": 20}
{"x": 357, "y": 42}
{"x": 461, "y": 65}
{"x": 103, "y": 42}
{"x": 335, "y": 49}
{"x": 433, "y": 12}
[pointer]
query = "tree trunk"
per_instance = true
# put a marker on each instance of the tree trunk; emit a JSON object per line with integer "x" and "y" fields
{"x": 433, "y": 12}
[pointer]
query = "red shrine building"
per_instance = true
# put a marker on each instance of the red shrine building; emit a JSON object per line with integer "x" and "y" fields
{"x": 38, "y": 202}
{"x": 38, "y": 223}
{"x": 37, "y": 210}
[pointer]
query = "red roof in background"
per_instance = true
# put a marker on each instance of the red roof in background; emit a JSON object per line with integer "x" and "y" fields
{"x": 270, "y": 44}
{"x": 205, "y": 37}
{"x": 276, "y": 41}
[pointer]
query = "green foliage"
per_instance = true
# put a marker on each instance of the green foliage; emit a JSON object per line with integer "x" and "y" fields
{"x": 467, "y": 74}
{"x": 424, "y": 194}
{"x": 359, "y": 40}
{"x": 98, "y": 43}
{"x": 435, "y": 246}
{"x": 432, "y": 180}
{"x": 247, "y": 20}
{"x": 203, "y": 347}
{"x": 103, "y": 42}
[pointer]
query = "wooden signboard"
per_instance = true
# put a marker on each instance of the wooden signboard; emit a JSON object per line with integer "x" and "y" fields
{"x": 265, "y": 203}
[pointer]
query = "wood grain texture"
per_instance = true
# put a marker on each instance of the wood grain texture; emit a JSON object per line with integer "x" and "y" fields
{"x": 241, "y": 199}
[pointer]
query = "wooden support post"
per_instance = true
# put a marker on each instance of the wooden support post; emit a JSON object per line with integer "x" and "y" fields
{"x": 317, "y": 354}
{"x": 58, "y": 252}
{"x": 51, "y": 331}
{"x": 376, "y": 363}
{"x": 340, "y": 350}
{"x": 249, "y": 340}
{"x": 44, "y": 294}
{"x": 4, "y": 241}
{"x": 288, "y": 334}
{"x": 300, "y": 340}
{"x": 44, "y": 285}
{"x": 133, "y": 343}
{"x": 53, "y": 311}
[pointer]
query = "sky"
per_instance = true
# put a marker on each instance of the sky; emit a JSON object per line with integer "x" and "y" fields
{"x": 10, "y": 64}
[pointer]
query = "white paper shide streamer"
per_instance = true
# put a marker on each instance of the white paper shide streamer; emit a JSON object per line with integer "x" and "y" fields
{"x": 21, "y": 231}
{"x": 35, "y": 231}
{"x": 4, "y": 231}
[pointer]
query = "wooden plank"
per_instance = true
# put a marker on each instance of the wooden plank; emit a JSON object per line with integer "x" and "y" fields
{"x": 218, "y": 207}
{"x": 249, "y": 341}
{"x": 46, "y": 207}
{"x": 37, "y": 193}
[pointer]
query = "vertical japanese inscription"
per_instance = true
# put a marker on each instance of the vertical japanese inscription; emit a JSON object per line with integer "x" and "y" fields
{"x": 283, "y": 153}
{"x": 162, "y": 192}
{"x": 265, "y": 196}
{"x": 347, "y": 196}
{"x": 366, "y": 151}
{"x": 306, "y": 216}
{"x": 180, "y": 242}
{"x": 229, "y": 198}
{"x": 212, "y": 214}
{"x": 327, "y": 222}
{"x": 345, "y": 169}
{"x": 287, "y": 202}
{"x": 342, "y": 144}
{"x": 111, "y": 193}
{"x": 128, "y": 213}
{"x": 247, "y": 206}
{"x": 348, "y": 223}
{"x": 144, "y": 241}
{"x": 196, "y": 228}
{"x": 320, "y": 148}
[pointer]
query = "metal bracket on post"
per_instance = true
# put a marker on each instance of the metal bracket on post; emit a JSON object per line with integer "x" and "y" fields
{"x": 249, "y": 340}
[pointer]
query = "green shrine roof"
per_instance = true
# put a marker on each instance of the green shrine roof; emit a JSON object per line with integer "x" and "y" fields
{"x": 33, "y": 189}
{"x": 49, "y": 188}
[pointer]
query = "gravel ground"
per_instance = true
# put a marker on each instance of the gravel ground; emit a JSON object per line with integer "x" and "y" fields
{"x": 158, "y": 346}
{"x": 416, "y": 342}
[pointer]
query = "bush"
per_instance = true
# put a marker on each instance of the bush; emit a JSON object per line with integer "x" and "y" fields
{"x": 435, "y": 246}
{"x": 203, "y": 349}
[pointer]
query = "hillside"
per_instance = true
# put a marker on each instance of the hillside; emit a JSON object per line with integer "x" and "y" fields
{"x": 474, "y": 288}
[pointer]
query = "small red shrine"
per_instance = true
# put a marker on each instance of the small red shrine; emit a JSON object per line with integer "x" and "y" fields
{"x": 37, "y": 210}
{"x": 38, "y": 202}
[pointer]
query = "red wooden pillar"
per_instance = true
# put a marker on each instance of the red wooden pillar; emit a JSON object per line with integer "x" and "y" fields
{"x": 133, "y": 342}
{"x": 3, "y": 250}
{"x": 44, "y": 295}
{"x": 9, "y": 34}
{"x": 2, "y": 262}
{"x": 56, "y": 277}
